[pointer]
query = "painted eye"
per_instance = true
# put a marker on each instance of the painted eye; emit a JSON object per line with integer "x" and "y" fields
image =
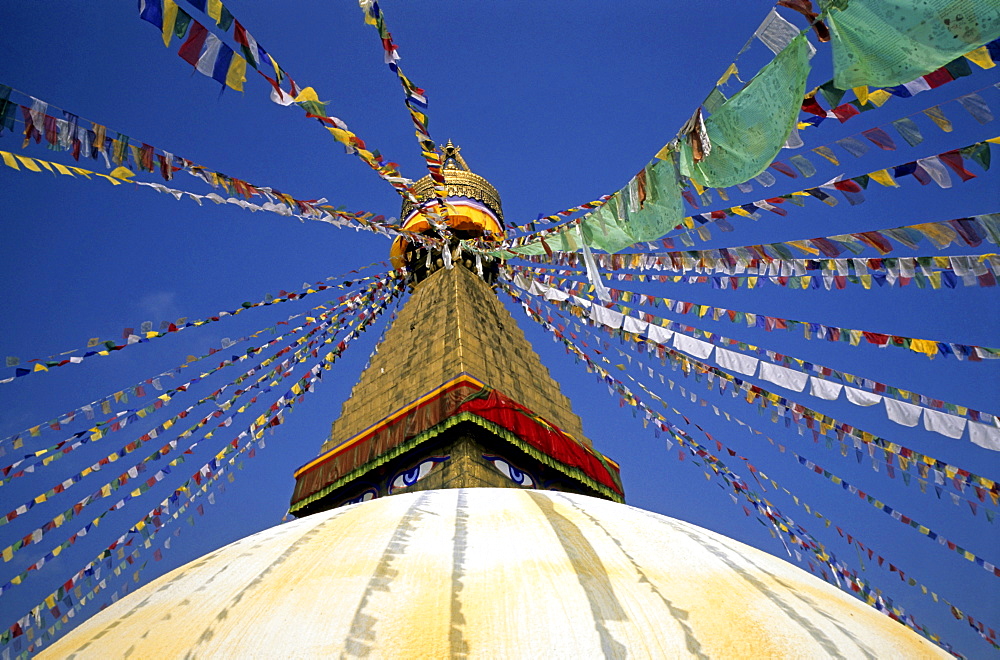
{"x": 369, "y": 494}
{"x": 414, "y": 474}
{"x": 511, "y": 472}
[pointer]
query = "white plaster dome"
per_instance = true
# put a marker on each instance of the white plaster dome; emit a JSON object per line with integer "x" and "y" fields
{"x": 489, "y": 573}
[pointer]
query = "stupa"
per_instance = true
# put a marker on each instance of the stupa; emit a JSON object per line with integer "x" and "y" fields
{"x": 458, "y": 510}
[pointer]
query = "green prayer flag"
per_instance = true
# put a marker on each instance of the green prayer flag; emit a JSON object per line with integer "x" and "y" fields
{"x": 891, "y": 42}
{"x": 181, "y": 23}
{"x": 749, "y": 130}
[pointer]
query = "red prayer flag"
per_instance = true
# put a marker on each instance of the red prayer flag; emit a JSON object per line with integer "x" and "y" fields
{"x": 190, "y": 50}
{"x": 845, "y": 112}
{"x": 938, "y": 78}
{"x": 880, "y": 139}
{"x": 953, "y": 159}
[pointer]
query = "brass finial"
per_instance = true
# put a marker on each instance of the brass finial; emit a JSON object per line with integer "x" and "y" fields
{"x": 451, "y": 158}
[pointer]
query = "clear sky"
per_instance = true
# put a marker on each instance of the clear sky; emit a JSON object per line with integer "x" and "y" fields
{"x": 555, "y": 104}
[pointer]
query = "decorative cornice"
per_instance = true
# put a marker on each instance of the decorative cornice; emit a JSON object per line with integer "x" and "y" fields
{"x": 458, "y": 183}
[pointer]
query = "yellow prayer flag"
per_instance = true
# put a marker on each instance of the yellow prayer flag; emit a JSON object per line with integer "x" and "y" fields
{"x": 826, "y": 152}
{"x": 122, "y": 173}
{"x": 40, "y": 367}
{"x": 169, "y": 20}
{"x": 82, "y": 172}
{"x": 981, "y": 58}
{"x": 731, "y": 71}
{"x": 29, "y": 163}
{"x": 879, "y": 97}
{"x": 215, "y": 9}
{"x": 861, "y": 92}
{"x": 237, "y": 74}
{"x": 925, "y": 346}
{"x": 740, "y": 211}
{"x": 664, "y": 152}
{"x": 883, "y": 177}
{"x": 804, "y": 246}
{"x": 342, "y": 136}
{"x": 9, "y": 160}
{"x": 40, "y": 498}
{"x": 307, "y": 94}
{"x": 937, "y": 116}
{"x": 62, "y": 169}
{"x": 112, "y": 180}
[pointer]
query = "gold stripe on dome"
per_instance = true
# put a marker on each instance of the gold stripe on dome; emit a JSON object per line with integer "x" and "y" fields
{"x": 458, "y": 183}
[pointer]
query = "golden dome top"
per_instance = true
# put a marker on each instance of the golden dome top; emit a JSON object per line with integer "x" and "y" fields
{"x": 460, "y": 181}
{"x": 488, "y": 572}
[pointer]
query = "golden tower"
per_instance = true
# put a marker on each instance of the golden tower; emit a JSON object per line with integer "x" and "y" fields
{"x": 455, "y": 396}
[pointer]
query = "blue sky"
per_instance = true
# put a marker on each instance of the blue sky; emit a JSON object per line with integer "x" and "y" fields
{"x": 555, "y": 106}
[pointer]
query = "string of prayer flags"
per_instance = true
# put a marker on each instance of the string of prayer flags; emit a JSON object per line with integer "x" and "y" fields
{"x": 925, "y": 276}
{"x": 985, "y": 57}
{"x": 278, "y": 373}
{"x": 413, "y": 96}
{"x": 561, "y": 215}
{"x": 105, "y": 348}
{"x": 211, "y": 56}
{"x": 954, "y": 159}
{"x": 309, "y": 101}
{"x": 742, "y": 267}
{"x": 273, "y": 417}
{"x": 904, "y": 462}
{"x": 106, "y": 403}
{"x": 931, "y": 33}
{"x": 660, "y": 330}
{"x": 799, "y": 502}
{"x": 905, "y": 459}
{"x": 609, "y": 236}
{"x": 857, "y": 146}
{"x": 930, "y": 348}
{"x": 796, "y": 534}
{"x": 69, "y": 135}
{"x": 208, "y": 54}
{"x": 122, "y": 419}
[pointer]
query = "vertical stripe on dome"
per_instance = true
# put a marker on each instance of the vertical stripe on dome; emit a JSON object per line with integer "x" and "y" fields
{"x": 678, "y": 614}
{"x": 460, "y": 541}
{"x": 590, "y": 572}
{"x": 361, "y": 638}
{"x": 829, "y": 647}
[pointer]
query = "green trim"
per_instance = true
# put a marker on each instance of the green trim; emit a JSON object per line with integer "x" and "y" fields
{"x": 434, "y": 431}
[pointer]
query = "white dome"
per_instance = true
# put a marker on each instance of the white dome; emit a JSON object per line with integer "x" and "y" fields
{"x": 489, "y": 573}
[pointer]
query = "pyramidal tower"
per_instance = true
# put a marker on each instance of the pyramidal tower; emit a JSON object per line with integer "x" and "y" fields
{"x": 455, "y": 396}
{"x": 458, "y": 511}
